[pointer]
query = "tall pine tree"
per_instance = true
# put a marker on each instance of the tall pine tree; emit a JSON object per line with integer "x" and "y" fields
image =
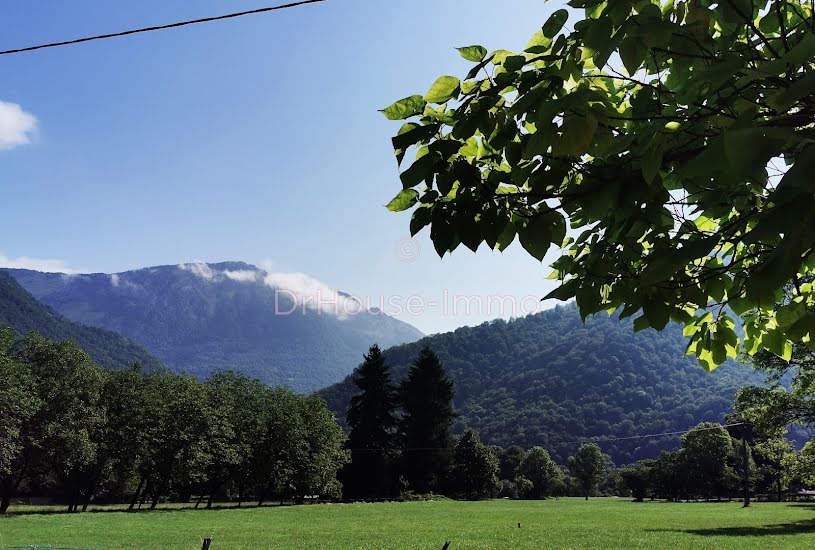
{"x": 426, "y": 396}
{"x": 371, "y": 472}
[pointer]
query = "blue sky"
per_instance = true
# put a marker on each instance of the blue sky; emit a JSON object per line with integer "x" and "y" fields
{"x": 253, "y": 139}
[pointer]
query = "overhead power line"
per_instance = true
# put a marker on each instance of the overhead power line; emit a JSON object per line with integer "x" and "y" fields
{"x": 161, "y": 27}
{"x": 583, "y": 439}
{"x": 601, "y": 438}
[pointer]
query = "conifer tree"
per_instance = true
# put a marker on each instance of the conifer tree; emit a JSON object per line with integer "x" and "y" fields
{"x": 371, "y": 416}
{"x": 426, "y": 396}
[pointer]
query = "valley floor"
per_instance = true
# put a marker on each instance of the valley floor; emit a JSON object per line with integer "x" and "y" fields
{"x": 561, "y": 524}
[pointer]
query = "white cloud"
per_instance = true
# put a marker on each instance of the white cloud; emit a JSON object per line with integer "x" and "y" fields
{"x": 200, "y": 269}
{"x": 16, "y": 126}
{"x": 305, "y": 291}
{"x": 242, "y": 276}
{"x": 37, "y": 264}
{"x": 308, "y": 292}
{"x": 266, "y": 264}
{"x": 120, "y": 280}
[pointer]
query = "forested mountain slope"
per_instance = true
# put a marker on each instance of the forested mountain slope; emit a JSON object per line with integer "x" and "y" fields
{"x": 198, "y": 318}
{"x": 550, "y": 380}
{"x": 20, "y": 310}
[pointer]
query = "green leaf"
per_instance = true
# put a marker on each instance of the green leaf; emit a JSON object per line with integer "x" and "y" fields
{"x": 598, "y": 33}
{"x": 538, "y": 43}
{"x": 663, "y": 264}
{"x": 801, "y": 88}
{"x": 735, "y": 13}
{"x": 473, "y": 53}
{"x": 603, "y": 52}
{"x": 769, "y": 23}
{"x": 403, "y": 200}
{"x": 419, "y": 171}
{"x": 749, "y": 149}
{"x": 776, "y": 270}
{"x": 536, "y": 236}
{"x": 506, "y": 237}
{"x": 555, "y": 23}
{"x": 789, "y": 314}
{"x": 468, "y": 230}
{"x": 404, "y": 108}
{"x": 442, "y": 233}
{"x": 577, "y": 133}
{"x": 775, "y": 341}
{"x": 442, "y": 90}
{"x": 413, "y": 135}
{"x": 740, "y": 305}
{"x": 652, "y": 160}
{"x": 658, "y": 313}
{"x": 420, "y": 219}
{"x": 797, "y": 179}
{"x": 641, "y": 323}
{"x": 802, "y": 327}
{"x": 632, "y": 53}
{"x": 564, "y": 292}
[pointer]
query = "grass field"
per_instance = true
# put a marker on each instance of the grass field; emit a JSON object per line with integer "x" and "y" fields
{"x": 567, "y": 523}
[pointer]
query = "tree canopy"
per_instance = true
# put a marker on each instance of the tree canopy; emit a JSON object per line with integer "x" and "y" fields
{"x": 664, "y": 146}
{"x": 77, "y": 432}
{"x": 587, "y": 466}
{"x": 788, "y": 398}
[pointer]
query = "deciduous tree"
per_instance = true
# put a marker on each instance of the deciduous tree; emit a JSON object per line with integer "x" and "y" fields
{"x": 587, "y": 466}
{"x": 773, "y": 456}
{"x": 639, "y": 478}
{"x": 664, "y": 146}
{"x": 474, "y": 471}
{"x": 539, "y": 468}
{"x": 18, "y": 402}
{"x": 706, "y": 450}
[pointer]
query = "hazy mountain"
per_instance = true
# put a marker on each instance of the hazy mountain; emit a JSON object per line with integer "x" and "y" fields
{"x": 20, "y": 310}
{"x": 550, "y": 380}
{"x": 281, "y": 328}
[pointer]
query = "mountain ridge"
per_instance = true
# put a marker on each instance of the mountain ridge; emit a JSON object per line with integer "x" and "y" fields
{"x": 283, "y": 328}
{"x": 549, "y": 379}
{"x": 21, "y": 311}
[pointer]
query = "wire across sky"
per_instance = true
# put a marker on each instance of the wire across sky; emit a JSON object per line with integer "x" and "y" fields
{"x": 160, "y": 27}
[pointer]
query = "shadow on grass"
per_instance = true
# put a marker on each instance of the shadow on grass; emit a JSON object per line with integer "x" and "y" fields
{"x": 792, "y": 528}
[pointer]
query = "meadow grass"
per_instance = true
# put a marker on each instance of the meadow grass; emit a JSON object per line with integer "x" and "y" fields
{"x": 562, "y": 524}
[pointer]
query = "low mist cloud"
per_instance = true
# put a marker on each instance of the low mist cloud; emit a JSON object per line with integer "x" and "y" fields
{"x": 37, "y": 264}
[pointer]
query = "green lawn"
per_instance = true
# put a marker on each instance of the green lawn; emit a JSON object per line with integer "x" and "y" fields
{"x": 567, "y": 523}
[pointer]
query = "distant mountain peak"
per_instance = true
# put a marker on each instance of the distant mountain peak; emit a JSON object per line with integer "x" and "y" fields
{"x": 284, "y": 328}
{"x": 234, "y": 266}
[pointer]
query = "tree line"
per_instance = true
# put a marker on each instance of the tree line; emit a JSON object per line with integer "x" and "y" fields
{"x": 79, "y": 432}
{"x": 717, "y": 462}
{"x": 400, "y": 443}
